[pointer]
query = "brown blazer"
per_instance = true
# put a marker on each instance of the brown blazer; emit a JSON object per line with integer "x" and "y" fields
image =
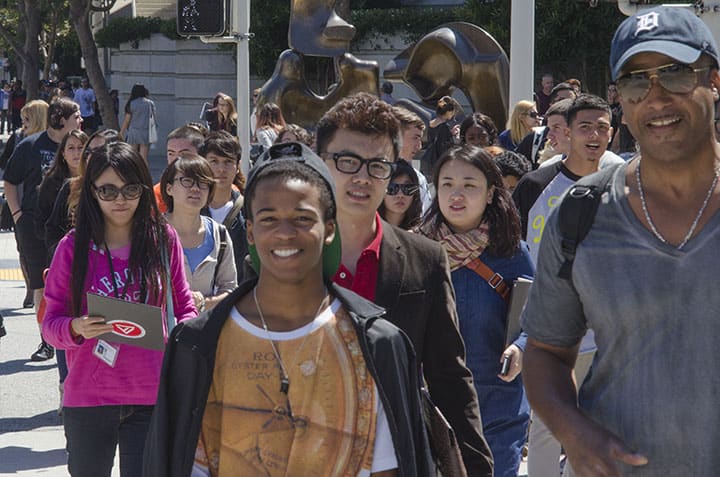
{"x": 414, "y": 287}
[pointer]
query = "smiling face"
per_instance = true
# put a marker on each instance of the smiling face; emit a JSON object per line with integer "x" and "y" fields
{"x": 670, "y": 126}
{"x": 463, "y": 195}
{"x": 72, "y": 152}
{"x": 118, "y": 213}
{"x": 589, "y": 133}
{"x": 288, "y": 230}
{"x": 72, "y": 122}
{"x": 359, "y": 194}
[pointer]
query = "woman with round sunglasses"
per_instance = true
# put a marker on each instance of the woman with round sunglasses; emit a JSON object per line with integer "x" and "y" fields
{"x": 402, "y": 206}
{"x": 523, "y": 119}
{"x": 474, "y": 217}
{"x": 122, "y": 248}
{"x": 187, "y": 185}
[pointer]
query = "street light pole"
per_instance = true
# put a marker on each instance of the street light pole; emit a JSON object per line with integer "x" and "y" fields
{"x": 522, "y": 51}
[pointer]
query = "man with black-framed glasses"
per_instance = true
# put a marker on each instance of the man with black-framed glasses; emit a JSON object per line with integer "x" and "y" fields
{"x": 642, "y": 278}
{"x": 408, "y": 275}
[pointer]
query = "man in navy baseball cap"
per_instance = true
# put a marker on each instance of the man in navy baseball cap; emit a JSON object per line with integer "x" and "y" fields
{"x": 646, "y": 407}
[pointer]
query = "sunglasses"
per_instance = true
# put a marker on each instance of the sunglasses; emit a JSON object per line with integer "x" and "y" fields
{"x": 109, "y": 192}
{"x": 189, "y": 183}
{"x": 349, "y": 163}
{"x": 675, "y": 78}
{"x": 532, "y": 114}
{"x": 406, "y": 189}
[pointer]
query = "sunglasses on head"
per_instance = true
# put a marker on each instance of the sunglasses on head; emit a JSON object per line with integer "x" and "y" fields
{"x": 110, "y": 192}
{"x": 406, "y": 189}
{"x": 675, "y": 78}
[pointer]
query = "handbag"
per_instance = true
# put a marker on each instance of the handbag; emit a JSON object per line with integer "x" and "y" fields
{"x": 443, "y": 442}
{"x": 152, "y": 126}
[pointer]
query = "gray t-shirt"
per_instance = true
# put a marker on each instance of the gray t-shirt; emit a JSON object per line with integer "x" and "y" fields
{"x": 654, "y": 311}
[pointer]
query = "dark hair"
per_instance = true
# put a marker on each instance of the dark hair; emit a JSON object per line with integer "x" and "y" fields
{"x": 301, "y": 134}
{"x": 138, "y": 91}
{"x": 413, "y": 215}
{"x": 60, "y": 169}
{"x": 190, "y": 165}
{"x": 500, "y": 214}
{"x": 223, "y": 144}
{"x": 148, "y": 234}
{"x": 559, "y": 108}
{"x": 585, "y": 102}
{"x": 289, "y": 170}
{"x": 444, "y": 105}
{"x": 479, "y": 120}
{"x": 61, "y": 108}
{"x": 561, "y": 87}
{"x": 511, "y": 163}
{"x": 387, "y": 87}
{"x": 363, "y": 113}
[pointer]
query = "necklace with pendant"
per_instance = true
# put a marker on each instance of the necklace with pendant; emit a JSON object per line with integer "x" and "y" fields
{"x": 649, "y": 220}
{"x": 284, "y": 375}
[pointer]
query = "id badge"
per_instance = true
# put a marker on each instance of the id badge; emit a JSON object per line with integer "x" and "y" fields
{"x": 106, "y": 352}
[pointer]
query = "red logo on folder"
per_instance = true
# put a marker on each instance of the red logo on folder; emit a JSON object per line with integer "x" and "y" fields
{"x": 127, "y": 329}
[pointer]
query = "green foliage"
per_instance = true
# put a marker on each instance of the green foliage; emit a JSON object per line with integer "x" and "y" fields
{"x": 121, "y": 30}
{"x": 410, "y": 23}
{"x": 269, "y": 21}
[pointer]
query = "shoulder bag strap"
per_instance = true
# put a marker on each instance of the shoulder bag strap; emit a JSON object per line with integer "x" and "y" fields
{"x": 495, "y": 280}
{"x": 221, "y": 253}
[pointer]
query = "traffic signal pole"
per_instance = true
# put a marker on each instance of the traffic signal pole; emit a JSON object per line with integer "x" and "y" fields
{"x": 240, "y": 35}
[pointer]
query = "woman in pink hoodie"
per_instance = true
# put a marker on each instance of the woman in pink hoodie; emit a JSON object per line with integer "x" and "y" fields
{"x": 121, "y": 247}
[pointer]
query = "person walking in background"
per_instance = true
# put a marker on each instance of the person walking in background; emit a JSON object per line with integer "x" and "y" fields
{"x": 523, "y": 119}
{"x": 402, "y": 206}
{"x": 31, "y": 159}
{"x": 474, "y": 218}
{"x": 18, "y": 98}
{"x": 139, "y": 112}
{"x": 542, "y": 94}
{"x": 270, "y": 122}
{"x": 85, "y": 97}
{"x": 187, "y": 187}
{"x": 5, "y": 118}
{"x": 223, "y": 115}
{"x": 121, "y": 247}
{"x": 441, "y": 133}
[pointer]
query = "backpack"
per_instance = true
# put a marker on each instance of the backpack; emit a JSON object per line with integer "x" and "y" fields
{"x": 577, "y": 213}
{"x": 221, "y": 253}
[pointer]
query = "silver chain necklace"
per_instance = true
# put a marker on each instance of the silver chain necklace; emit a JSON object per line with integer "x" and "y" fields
{"x": 697, "y": 217}
{"x": 284, "y": 375}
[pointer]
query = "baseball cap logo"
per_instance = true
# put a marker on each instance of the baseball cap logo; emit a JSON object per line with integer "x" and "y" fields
{"x": 127, "y": 329}
{"x": 647, "y": 22}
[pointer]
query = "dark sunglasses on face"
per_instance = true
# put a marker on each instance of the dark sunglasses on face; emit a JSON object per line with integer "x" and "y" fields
{"x": 349, "y": 163}
{"x": 109, "y": 192}
{"x": 406, "y": 189}
{"x": 675, "y": 78}
{"x": 189, "y": 183}
{"x": 532, "y": 114}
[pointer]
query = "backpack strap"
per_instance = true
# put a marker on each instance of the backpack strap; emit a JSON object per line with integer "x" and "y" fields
{"x": 495, "y": 280}
{"x": 577, "y": 214}
{"x": 538, "y": 140}
{"x": 221, "y": 253}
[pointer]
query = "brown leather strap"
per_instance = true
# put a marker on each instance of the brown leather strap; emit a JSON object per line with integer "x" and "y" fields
{"x": 495, "y": 280}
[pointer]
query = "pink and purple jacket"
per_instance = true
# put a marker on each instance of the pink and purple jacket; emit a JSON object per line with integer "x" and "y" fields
{"x": 136, "y": 375}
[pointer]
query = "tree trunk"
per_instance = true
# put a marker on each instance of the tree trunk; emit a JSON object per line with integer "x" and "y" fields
{"x": 31, "y": 48}
{"x": 79, "y": 15}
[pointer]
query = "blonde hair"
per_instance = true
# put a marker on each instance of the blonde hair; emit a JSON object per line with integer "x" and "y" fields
{"x": 36, "y": 113}
{"x": 516, "y": 125}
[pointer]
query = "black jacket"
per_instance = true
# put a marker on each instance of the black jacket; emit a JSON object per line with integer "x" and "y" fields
{"x": 235, "y": 223}
{"x": 188, "y": 369}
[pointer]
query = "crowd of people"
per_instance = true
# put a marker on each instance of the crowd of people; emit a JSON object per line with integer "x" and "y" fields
{"x": 316, "y": 312}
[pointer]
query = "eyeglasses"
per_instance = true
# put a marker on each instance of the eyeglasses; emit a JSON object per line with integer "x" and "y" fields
{"x": 189, "y": 183}
{"x": 532, "y": 114}
{"x": 109, "y": 192}
{"x": 349, "y": 163}
{"x": 676, "y": 78}
{"x": 394, "y": 188}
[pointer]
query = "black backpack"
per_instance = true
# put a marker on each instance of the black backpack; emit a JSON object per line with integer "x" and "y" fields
{"x": 577, "y": 213}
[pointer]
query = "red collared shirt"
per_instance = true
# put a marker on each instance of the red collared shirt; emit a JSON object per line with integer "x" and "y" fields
{"x": 366, "y": 268}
